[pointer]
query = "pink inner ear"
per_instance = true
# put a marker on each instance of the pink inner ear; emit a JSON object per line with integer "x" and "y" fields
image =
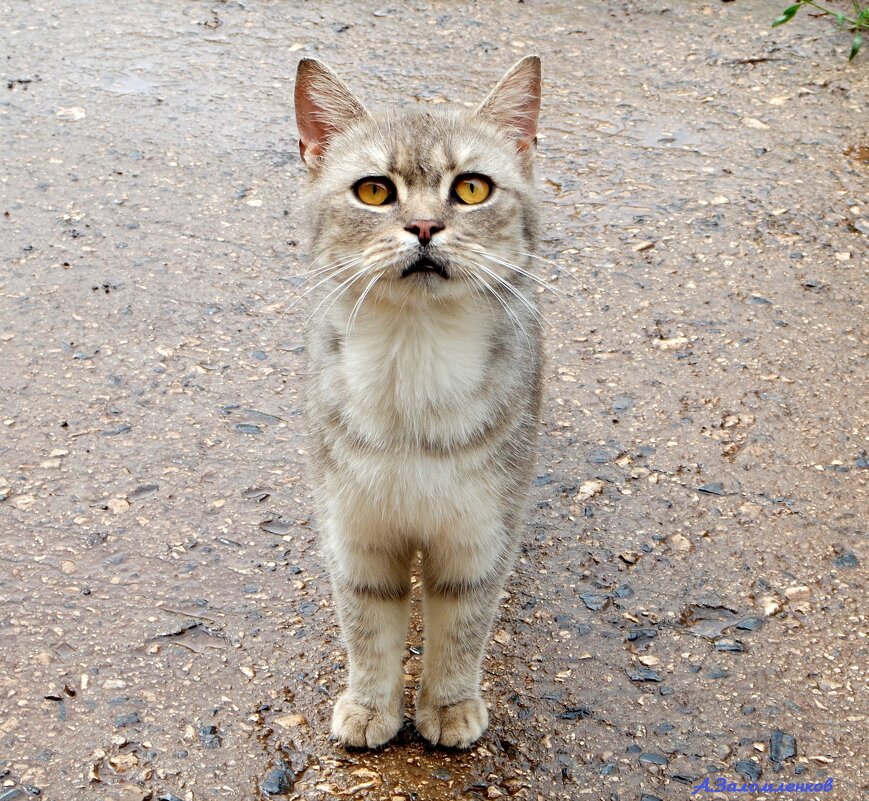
{"x": 514, "y": 103}
{"x": 523, "y": 145}
{"x": 324, "y": 107}
{"x": 522, "y": 114}
{"x": 313, "y": 131}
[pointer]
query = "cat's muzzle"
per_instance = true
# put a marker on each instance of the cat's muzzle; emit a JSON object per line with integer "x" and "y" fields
{"x": 424, "y": 264}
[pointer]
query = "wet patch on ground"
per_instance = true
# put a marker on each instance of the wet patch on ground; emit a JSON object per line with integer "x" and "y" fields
{"x": 689, "y": 600}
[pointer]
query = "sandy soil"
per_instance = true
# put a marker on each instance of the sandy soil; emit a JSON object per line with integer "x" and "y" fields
{"x": 691, "y": 597}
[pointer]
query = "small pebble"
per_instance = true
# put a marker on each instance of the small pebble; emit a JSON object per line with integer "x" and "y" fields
{"x": 782, "y": 746}
{"x": 644, "y": 674}
{"x": 650, "y": 758}
{"x": 846, "y": 560}
{"x": 748, "y": 769}
{"x": 279, "y": 781}
{"x": 130, "y": 719}
{"x": 210, "y": 737}
{"x": 594, "y": 601}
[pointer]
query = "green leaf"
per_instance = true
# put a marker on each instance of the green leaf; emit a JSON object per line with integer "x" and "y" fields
{"x": 855, "y": 45}
{"x": 787, "y": 15}
{"x": 840, "y": 18}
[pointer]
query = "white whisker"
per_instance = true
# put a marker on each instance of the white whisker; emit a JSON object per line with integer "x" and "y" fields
{"x": 340, "y": 289}
{"x": 522, "y": 299}
{"x": 522, "y": 271}
{"x": 497, "y": 295}
{"x": 358, "y": 306}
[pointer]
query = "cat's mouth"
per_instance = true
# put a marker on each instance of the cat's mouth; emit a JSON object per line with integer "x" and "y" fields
{"x": 425, "y": 265}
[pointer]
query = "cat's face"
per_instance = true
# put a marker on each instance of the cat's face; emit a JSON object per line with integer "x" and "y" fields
{"x": 423, "y": 203}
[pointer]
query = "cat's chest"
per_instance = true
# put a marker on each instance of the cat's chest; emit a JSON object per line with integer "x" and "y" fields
{"x": 425, "y": 375}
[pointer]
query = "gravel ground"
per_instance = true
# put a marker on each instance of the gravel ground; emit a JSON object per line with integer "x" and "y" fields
{"x": 690, "y": 601}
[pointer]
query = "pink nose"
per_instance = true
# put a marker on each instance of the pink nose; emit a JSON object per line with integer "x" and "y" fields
{"x": 424, "y": 230}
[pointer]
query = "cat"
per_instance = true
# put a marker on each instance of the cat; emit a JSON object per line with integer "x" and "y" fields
{"x": 423, "y": 383}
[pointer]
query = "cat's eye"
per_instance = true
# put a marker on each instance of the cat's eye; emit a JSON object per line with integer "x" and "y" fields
{"x": 375, "y": 191}
{"x": 472, "y": 189}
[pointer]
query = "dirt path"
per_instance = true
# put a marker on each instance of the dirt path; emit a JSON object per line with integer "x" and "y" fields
{"x": 691, "y": 596}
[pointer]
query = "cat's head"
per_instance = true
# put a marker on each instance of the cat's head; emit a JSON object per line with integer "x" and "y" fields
{"x": 434, "y": 201}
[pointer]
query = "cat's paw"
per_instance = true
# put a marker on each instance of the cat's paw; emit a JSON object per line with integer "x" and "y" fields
{"x": 360, "y": 726}
{"x": 454, "y": 725}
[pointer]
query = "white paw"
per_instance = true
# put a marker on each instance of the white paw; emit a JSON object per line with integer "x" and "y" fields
{"x": 455, "y": 725}
{"x": 363, "y": 727}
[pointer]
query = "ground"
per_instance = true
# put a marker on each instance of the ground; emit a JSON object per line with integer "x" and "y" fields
{"x": 690, "y": 600}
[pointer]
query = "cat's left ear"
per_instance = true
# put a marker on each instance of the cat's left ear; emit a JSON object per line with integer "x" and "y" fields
{"x": 514, "y": 104}
{"x": 324, "y": 108}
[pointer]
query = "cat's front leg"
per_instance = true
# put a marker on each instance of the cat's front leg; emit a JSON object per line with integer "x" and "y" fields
{"x": 461, "y": 593}
{"x": 371, "y": 587}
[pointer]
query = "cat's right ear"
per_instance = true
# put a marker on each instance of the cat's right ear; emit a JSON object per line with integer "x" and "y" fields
{"x": 514, "y": 104}
{"x": 324, "y": 108}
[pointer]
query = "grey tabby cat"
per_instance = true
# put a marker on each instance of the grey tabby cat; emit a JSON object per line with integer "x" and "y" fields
{"x": 424, "y": 382}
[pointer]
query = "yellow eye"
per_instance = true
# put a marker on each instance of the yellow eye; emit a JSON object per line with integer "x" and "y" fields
{"x": 375, "y": 191}
{"x": 472, "y": 189}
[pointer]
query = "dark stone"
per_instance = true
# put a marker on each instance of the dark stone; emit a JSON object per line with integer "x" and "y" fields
{"x": 575, "y": 713}
{"x": 846, "y": 560}
{"x": 602, "y": 455}
{"x": 713, "y": 488}
{"x": 210, "y": 737}
{"x": 442, "y": 774}
{"x": 595, "y": 601}
{"x": 748, "y": 769}
{"x": 750, "y": 624}
{"x": 651, "y": 758}
{"x": 663, "y": 728}
{"x": 717, "y": 673}
{"x": 730, "y": 645}
{"x": 258, "y": 494}
{"x": 130, "y": 719}
{"x": 279, "y": 781}
{"x": 608, "y": 769}
{"x": 11, "y": 793}
{"x": 641, "y": 636}
{"x": 781, "y": 746}
{"x": 644, "y": 674}
{"x": 277, "y": 525}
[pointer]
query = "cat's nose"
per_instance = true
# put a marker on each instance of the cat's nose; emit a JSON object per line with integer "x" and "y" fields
{"x": 424, "y": 230}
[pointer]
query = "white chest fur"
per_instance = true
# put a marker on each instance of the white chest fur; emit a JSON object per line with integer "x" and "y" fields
{"x": 417, "y": 374}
